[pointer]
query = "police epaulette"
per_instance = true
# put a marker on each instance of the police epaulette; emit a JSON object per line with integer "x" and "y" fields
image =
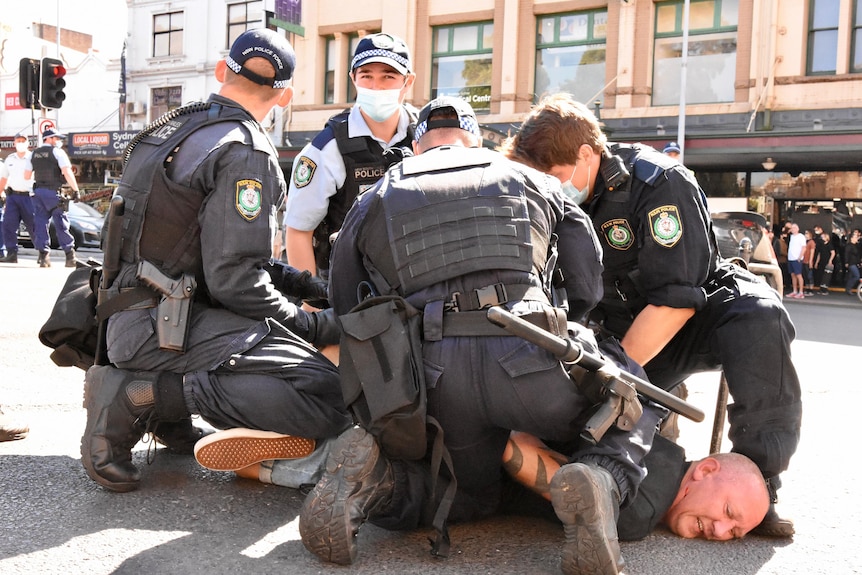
{"x": 161, "y": 121}
{"x": 647, "y": 171}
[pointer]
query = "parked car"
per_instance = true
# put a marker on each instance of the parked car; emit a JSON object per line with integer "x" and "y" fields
{"x": 85, "y": 224}
{"x": 742, "y": 237}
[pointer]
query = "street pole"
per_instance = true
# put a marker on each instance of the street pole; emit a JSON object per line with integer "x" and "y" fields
{"x": 683, "y": 74}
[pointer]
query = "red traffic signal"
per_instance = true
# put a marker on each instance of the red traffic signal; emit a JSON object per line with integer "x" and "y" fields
{"x": 52, "y": 83}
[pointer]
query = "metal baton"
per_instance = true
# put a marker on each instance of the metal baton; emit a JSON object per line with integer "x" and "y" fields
{"x": 570, "y": 351}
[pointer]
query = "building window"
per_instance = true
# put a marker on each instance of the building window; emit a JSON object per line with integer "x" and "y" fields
{"x": 461, "y": 63}
{"x": 856, "y": 39}
{"x": 570, "y": 55}
{"x": 241, "y": 17}
{"x": 168, "y": 34}
{"x": 711, "y": 52}
{"x": 822, "y": 37}
{"x": 165, "y": 99}
{"x": 332, "y": 63}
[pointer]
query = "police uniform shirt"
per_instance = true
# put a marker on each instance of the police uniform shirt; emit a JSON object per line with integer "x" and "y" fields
{"x": 662, "y": 229}
{"x": 318, "y": 172}
{"x": 14, "y": 168}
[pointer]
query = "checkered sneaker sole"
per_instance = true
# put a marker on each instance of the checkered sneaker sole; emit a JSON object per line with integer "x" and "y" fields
{"x": 237, "y": 448}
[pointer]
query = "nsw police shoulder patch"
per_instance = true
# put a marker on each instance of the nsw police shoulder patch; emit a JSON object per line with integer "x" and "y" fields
{"x": 665, "y": 225}
{"x": 249, "y": 198}
{"x": 618, "y": 234}
{"x": 304, "y": 171}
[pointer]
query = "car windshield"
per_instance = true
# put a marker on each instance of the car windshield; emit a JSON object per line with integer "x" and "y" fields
{"x": 87, "y": 209}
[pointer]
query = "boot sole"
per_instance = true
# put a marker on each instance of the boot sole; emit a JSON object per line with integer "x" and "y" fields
{"x": 324, "y": 521}
{"x": 99, "y": 391}
{"x": 581, "y": 504}
{"x": 237, "y": 448}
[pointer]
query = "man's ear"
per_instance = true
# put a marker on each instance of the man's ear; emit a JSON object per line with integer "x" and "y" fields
{"x": 220, "y": 71}
{"x": 705, "y": 467}
{"x": 285, "y": 97}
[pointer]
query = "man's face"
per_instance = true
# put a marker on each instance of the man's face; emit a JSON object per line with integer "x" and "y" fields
{"x": 379, "y": 76}
{"x": 712, "y": 505}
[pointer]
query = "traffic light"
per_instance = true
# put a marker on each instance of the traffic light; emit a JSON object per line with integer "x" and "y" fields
{"x": 28, "y": 83}
{"x": 52, "y": 83}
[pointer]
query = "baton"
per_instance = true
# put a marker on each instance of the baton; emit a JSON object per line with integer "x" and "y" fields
{"x": 569, "y": 351}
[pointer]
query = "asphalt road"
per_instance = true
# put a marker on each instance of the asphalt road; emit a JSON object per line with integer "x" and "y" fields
{"x": 185, "y": 519}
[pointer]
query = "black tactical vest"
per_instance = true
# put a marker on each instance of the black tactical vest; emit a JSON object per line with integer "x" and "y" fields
{"x": 455, "y": 211}
{"x": 46, "y": 170}
{"x": 161, "y": 216}
{"x": 365, "y": 162}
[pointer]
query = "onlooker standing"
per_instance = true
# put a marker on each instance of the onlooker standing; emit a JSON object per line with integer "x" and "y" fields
{"x": 808, "y": 262}
{"x": 351, "y": 153}
{"x": 51, "y": 166}
{"x": 852, "y": 261}
{"x": 823, "y": 261}
{"x": 795, "y": 249}
{"x": 779, "y": 246}
{"x": 673, "y": 150}
{"x": 17, "y": 183}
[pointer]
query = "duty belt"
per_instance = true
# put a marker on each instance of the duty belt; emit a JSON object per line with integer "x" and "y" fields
{"x": 476, "y": 324}
{"x": 16, "y": 192}
{"x": 494, "y": 294}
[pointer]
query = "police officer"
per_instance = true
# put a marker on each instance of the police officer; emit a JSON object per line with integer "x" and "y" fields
{"x": 200, "y": 187}
{"x": 678, "y": 308}
{"x": 493, "y": 220}
{"x": 16, "y": 182}
{"x": 351, "y": 153}
{"x": 51, "y": 167}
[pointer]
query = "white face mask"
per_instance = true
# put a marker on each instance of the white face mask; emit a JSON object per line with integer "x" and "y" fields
{"x": 21, "y": 147}
{"x": 574, "y": 194}
{"x": 380, "y": 105}
{"x": 58, "y": 143}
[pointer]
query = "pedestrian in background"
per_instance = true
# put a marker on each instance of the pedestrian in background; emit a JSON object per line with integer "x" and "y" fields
{"x": 824, "y": 261}
{"x": 51, "y": 167}
{"x": 852, "y": 261}
{"x": 17, "y": 183}
{"x": 795, "y": 256}
{"x": 808, "y": 262}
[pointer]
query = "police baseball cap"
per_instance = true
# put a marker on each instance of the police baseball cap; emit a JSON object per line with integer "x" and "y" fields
{"x": 672, "y": 147}
{"x": 263, "y": 43}
{"x": 50, "y": 133}
{"x": 465, "y": 116}
{"x": 382, "y": 48}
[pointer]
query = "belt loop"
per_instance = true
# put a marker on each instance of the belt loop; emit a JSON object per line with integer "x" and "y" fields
{"x": 432, "y": 320}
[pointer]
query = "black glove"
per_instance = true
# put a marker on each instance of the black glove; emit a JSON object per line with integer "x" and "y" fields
{"x": 327, "y": 328}
{"x": 395, "y": 154}
{"x": 301, "y": 284}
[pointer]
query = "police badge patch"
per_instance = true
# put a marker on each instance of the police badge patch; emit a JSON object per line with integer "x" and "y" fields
{"x": 665, "y": 225}
{"x": 249, "y": 198}
{"x": 618, "y": 234}
{"x": 304, "y": 172}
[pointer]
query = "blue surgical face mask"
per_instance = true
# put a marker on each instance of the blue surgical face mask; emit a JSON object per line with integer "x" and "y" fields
{"x": 574, "y": 194}
{"x": 380, "y": 105}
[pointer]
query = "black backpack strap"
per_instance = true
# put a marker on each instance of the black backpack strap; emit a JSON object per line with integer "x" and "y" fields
{"x": 440, "y": 454}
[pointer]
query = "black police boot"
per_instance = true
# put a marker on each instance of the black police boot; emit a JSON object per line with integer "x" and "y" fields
{"x": 586, "y": 499}
{"x": 179, "y": 437}
{"x": 121, "y": 407}
{"x": 10, "y": 258}
{"x": 44, "y": 259}
{"x": 357, "y": 483}
{"x": 773, "y": 525}
{"x": 70, "y": 259}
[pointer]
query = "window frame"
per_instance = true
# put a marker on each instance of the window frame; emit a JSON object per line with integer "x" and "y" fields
{"x": 245, "y": 24}
{"x": 811, "y": 33}
{"x": 481, "y": 48}
{"x": 717, "y": 29}
{"x": 590, "y": 40}
{"x": 169, "y": 33}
